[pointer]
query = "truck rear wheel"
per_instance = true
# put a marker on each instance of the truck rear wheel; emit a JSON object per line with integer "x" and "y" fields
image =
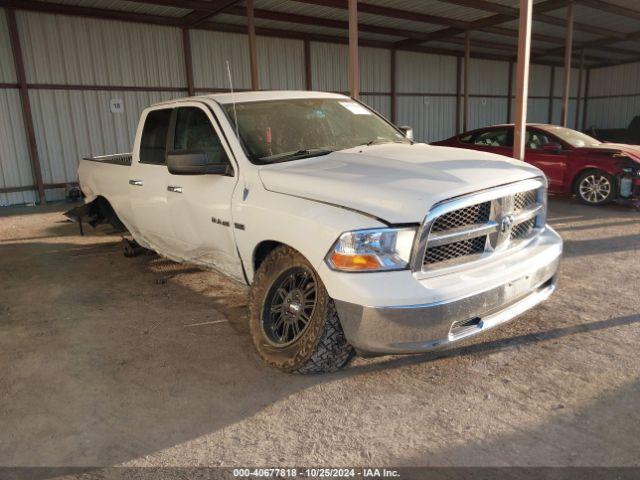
{"x": 293, "y": 321}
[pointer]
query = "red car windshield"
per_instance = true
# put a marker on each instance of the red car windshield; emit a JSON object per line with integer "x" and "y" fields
{"x": 572, "y": 137}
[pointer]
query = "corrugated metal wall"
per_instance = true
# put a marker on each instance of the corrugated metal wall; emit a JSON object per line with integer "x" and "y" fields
{"x": 426, "y": 86}
{"x": 143, "y": 64}
{"x": 15, "y": 169}
{"x": 83, "y": 51}
{"x": 614, "y": 94}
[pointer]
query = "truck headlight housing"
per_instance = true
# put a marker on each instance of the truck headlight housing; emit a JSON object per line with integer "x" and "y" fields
{"x": 372, "y": 250}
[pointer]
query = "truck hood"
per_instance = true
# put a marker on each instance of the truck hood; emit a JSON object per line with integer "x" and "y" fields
{"x": 397, "y": 183}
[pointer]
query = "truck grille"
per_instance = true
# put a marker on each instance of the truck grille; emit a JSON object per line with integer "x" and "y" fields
{"x": 463, "y": 216}
{"x": 494, "y": 222}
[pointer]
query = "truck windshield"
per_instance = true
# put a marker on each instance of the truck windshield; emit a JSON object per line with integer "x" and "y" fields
{"x": 282, "y": 130}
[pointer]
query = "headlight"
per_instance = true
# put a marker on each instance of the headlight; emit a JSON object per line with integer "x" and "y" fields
{"x": 372, "y": 250}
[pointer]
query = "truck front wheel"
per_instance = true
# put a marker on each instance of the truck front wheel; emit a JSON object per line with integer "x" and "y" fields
{"x": 293, "y": 321}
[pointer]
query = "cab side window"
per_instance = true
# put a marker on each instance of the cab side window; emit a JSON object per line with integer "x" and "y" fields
{"x": 492, "y": 138}
{"x": 194, "y": 131}
{"x": 153, "y": 143}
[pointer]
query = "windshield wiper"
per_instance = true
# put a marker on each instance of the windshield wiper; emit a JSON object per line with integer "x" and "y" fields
{"x": 379, "y": 141}
{"x": 298, "y": 154}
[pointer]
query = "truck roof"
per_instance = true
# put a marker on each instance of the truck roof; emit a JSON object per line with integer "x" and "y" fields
{"x": 258, "y": 96}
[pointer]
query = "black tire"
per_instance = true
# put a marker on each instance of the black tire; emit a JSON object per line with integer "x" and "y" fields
{"x": 595, "y": 188}
{"x": 320, "y": 346}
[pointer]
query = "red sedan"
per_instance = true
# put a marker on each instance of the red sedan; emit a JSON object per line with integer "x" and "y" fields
{"x": 575, "y": 163}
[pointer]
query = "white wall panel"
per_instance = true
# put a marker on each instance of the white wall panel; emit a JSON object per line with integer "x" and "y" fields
{"x": 15, "y": 164}
{"x": 280, "y": 63}
{"x": 70, "y": 125}
{"x": 7, "y": 70}
{"x": 329, "y": 67}
{"x": 557, "y": 113}
{"x": 558, "y": 87}
{"x": 433, "y": 119}
{"x": 488, "y": 77}
{"x": 539, "y": 80}
{"x": 484, "y": 112}
{"x": 616, "y": 112}
{"x": 210, "y": 52}
{"x": 425, "y": 73}
{"x": 380, "y": 103}
{"x": 74, "y": 50}
{"x": 617, "y": 80}
{"x": 375, "y": 69}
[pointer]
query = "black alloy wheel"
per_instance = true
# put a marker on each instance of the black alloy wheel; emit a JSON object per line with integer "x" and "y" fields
{"x": 289, "y": 306}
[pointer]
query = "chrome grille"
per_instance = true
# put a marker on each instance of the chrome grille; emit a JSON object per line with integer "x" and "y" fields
{"x": 524, "y": 199}
{"x": 463, "y": 216}
{"x": 522, "y": 230}
{"x": 480, "y": 225}
{"x": 450, "y": 251}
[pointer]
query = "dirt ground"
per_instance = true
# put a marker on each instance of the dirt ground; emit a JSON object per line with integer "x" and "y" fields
{"x": 107, "y": 360}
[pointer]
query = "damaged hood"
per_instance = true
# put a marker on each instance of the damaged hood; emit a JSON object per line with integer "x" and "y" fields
{"x": 397, "y": 183}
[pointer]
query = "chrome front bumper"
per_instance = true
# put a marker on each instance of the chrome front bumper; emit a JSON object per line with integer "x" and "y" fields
{"x": 421, "y": 328}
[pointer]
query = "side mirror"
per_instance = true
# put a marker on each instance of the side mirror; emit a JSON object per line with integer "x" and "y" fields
{"x": 552, "y": 147}
{"x": 194, "y": 162}
{"x": 408, "y": 131}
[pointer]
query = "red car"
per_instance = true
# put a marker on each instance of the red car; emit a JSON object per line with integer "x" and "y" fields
{"x": 574, "y": 163}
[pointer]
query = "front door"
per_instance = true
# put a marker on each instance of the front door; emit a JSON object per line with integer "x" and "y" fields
{"x": 552, "y": 162}
{"x": 200, "y": 205}
{"x": 148, "y": 183}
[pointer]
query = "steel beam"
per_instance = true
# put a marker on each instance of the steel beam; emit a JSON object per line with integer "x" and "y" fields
{"x": 308, "y": 78}
{"x": 392, "y": 85}
{"x": 354, "y": 63}
{"x": 568, "y": 50}
{"x": 27, "y": 117}
{"x": 578, "y": 99}
{"x": 510, "y": 91}
{"x": 188, "y": 63}
{"x": 467, "y": 67}
{"x": 253, "y": 55}
{"x": 522, "y": 78}
{"x": 552, "y": 83}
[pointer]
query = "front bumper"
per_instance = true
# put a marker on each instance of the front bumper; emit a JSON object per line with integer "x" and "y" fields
{"x": 427, "y": 326}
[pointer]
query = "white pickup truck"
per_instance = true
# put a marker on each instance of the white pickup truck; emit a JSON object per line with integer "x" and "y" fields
{"x": 352, "y": 237}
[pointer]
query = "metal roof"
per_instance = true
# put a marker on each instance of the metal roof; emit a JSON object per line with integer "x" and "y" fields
{"x": 607, "y": 30}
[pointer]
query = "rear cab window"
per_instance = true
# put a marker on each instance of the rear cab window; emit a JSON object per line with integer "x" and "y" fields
{"x": 153, "y": 143}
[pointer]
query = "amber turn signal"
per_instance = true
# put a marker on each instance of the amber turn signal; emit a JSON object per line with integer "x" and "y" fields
{"x": 354, "y": 261}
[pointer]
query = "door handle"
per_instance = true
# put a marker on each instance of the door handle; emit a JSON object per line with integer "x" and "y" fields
{"x": 174, "y": 189}
{"x": 137, "y": 183}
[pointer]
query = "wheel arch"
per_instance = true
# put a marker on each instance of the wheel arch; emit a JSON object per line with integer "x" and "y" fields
{"x": 581, "y": 172}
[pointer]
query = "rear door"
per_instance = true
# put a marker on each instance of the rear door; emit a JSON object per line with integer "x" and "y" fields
{"x": 552, "y": 163}
{"x": 148, "y": 181}
{"x": 200, "y": 205}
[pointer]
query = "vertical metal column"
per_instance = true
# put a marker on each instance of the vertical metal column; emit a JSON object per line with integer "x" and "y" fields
{"x": 578, "y": 95}
{"x": 509, "y": 91}
{"x": 552, "y": 82}
{"x": 458, "y": 91}
{"x": 393, "y": 86}
{"x": 188, "y": 64}
{"x": 354, "y": 67}
{"x": 568, "y": 51}
{"x": 27, "y": 116}
{"x": 522, "y": 78}
{"x": 307, "y": 65}
{"x": 467, "y": 61}
{"x": 253, "y": 57}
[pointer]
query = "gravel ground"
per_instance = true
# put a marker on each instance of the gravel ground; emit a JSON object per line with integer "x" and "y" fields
{"x": 115, "y": 361}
